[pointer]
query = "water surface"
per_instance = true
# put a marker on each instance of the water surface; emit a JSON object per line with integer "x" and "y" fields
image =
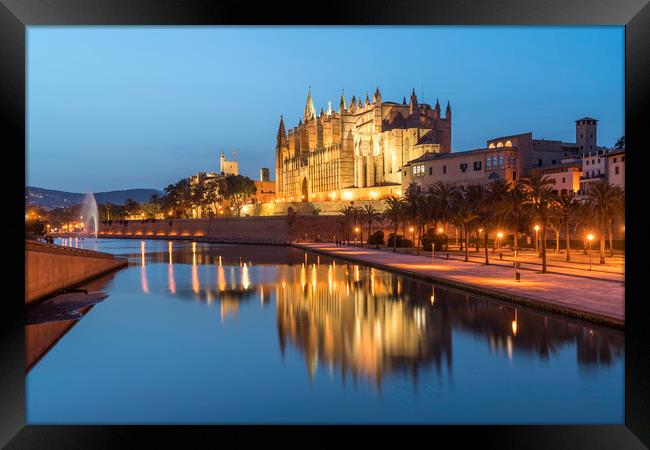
{"x": 209, "y": 333}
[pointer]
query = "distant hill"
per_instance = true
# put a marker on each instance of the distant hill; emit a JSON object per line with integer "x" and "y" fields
{"x": 51, "y": 199}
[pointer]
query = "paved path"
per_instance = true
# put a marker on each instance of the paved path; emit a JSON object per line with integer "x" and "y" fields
{"x": 590, "y": 299}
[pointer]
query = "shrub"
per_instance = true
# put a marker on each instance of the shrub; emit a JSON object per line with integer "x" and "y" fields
{"x": 432, "y": 237}
{"x": 376, "y": 238}
{"x": 401, "y": 242}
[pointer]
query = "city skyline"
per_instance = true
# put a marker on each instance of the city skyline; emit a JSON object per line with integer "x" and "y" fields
{"x": 159, "y": 100}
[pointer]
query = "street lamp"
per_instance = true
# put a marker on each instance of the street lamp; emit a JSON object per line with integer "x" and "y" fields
{"x": 412, "y": 230}
{"x": 537, "y": 238}
{"x": 356, "y": 230}
{"x": 590, "y": 237}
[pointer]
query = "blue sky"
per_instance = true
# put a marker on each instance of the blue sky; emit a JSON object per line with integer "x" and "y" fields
{"x": 141, "y": 107}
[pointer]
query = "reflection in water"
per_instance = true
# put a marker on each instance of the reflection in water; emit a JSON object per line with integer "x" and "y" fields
{"x": 365, "y": 322}
{"x": 368, "y": 333}
{"x": 143, "y": 269}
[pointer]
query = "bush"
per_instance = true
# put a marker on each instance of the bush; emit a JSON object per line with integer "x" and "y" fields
{"x": 376, "y": 238}
{"x": 432, "y": 237}
{"x": 401, "y": 242}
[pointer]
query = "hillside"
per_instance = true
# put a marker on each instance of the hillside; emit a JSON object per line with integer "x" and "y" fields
{"x": 51, "y": 199}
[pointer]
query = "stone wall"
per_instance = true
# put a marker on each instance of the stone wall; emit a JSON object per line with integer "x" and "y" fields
{"x": 252, "y": 230}
{"x": 49, "y": 268}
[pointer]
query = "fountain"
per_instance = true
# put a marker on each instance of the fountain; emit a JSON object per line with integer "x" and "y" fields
{"x": 90, "y": 214}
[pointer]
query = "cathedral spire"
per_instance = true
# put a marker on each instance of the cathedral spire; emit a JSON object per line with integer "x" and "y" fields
{"x": 376, "y": 98}
{"x": 329, "y": 107}
{"x": 342, "y": 106}
{"x": 404, "y": 101}
{"x": 413, "y": 105}
{"x": 436, "y": 110}
{"x": 282, "y": 134}
{"x": 367, "y": 99}
{"x": 353, "y": 104}
{"x": 309, "y": 106}
{"x": 448, "y": 111}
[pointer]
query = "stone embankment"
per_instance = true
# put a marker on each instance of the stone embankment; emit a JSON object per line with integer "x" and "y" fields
{"x": 50, "y": 268}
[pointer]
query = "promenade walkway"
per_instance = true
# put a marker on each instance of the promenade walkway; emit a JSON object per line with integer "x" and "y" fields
{"x": 597, "y": 300}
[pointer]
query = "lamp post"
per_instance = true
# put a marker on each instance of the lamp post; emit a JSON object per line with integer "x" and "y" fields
{"x": 590, "y": 237}
{"x": 537, "y": 239}
{"x": 356, "y": 230}
{"x": 412, "y": 230}
{"x": 517, "y": 274}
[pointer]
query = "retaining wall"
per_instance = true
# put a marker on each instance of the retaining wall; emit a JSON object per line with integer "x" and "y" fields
{"x": 49, "y": 268}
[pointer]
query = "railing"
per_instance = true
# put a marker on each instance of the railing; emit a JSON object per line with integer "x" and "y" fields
{"x": 51, "y": 248}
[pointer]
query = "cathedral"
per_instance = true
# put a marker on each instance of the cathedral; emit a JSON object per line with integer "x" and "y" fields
{"x": 356, "y": 152}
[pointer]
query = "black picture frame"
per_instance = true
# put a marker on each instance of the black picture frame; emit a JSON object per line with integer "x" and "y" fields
{"x": 16, "y": 15}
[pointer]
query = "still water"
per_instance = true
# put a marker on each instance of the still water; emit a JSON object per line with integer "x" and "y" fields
{"x": 210, "y": 333}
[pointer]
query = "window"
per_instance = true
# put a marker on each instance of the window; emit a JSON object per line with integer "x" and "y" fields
{"x": 598, "y": 160}
{"x": 430, "y": 170}
{"x": 477, "y": 165}
{"x": 539, "y": 162}
{"x": 563, "y": 180}
{"x": 616, "y": 170}
{"x": 514, "y": 175}
{"x": 580, "y": 136}
{"x": 587, "y": 162}
{"x": 623, "y": 158}
{"x": 553, "y": 161}
{"x": 444, "y": 169}
{"x": 614, "y": 159}
{"x": 500, "y": 161}
{"x": 494, "y": 162}
{"x": 463, "y": 167}
{"x": 488, "y": 163}
{"x": 514, "y": 161}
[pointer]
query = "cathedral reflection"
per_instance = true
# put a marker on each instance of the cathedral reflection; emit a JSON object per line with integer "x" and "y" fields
{"x": 354, "y": 319}
{"x": 364, "y": 322}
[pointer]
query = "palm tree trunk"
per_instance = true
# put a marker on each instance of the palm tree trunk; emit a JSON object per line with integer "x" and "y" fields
{"x": 602, "y": 247}
{"x": 466, "y": 243}
{"x": 514, "y": 235}
{"x": 611, "y": 241}
{"x": 543, "y": 248}
{"x": 395, "y": 238}
{"x": 477, "y": 242}
{"x": 568, "y": 242}
{"x": 485, "y": 241}
{"x": 557, "y": 241}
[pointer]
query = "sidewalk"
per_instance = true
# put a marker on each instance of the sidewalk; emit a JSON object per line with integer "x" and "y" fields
{"x": 577, "y": 296}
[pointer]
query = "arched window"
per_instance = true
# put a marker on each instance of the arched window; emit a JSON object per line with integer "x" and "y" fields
{"x": 488, "y": 163}
{"x": 491, "y": 145}
{"x": 493, "y": 176}
{"x": 500, "y": 161}
{"x": 494, "y": 162}
{"x": 499, "y": 144}
{"x": 508, "y": 144}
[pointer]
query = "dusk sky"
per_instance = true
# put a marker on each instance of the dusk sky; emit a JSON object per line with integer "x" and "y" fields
{"x": 141, "y": 107}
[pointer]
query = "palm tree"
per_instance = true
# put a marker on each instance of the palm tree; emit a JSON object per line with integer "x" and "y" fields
{"x": 514, "y": 209}
{"x": 464, "y": 215}
{"x": 605, "y": 202}
{"x": 348, "y": 212}
{"x": 540, "y": 202}
{"x": 495, "y": 198}
{"x": 566, "y": 206}
{"x": 369, "y": 214}
{"x": 442, "y": 200}
{"x": 414, "y": 202}
{"x": 393, "y": 212}
{"x": 477, "y": 195}
{"x": 583, "y": 217}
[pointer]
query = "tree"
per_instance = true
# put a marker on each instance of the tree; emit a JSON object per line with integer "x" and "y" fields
{"x": 393, "y": 212}
{"x": 415, "y": 209}
{"x": 514, "y": 210}
{"x": 442, "y": 199}
{"x": 540, "y": 203}
{"x": 464, "y": 214}
{"x": 131, "y": 207}
{"x": 369, "y": 215}
{"x": 620, "y": 143}
{"x": 238, "y": 190}
{"x": 496, "y": 202}
{"x": 348, "y": 212}
{"x": 605, "y": 201}
{"x": 566, "y": 206}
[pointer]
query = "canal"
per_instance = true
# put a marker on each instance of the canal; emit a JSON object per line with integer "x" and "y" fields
{"x": 209, "y": 333}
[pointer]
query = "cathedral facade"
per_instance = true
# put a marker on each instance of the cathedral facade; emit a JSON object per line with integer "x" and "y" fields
{"x": 356, "y": 152}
